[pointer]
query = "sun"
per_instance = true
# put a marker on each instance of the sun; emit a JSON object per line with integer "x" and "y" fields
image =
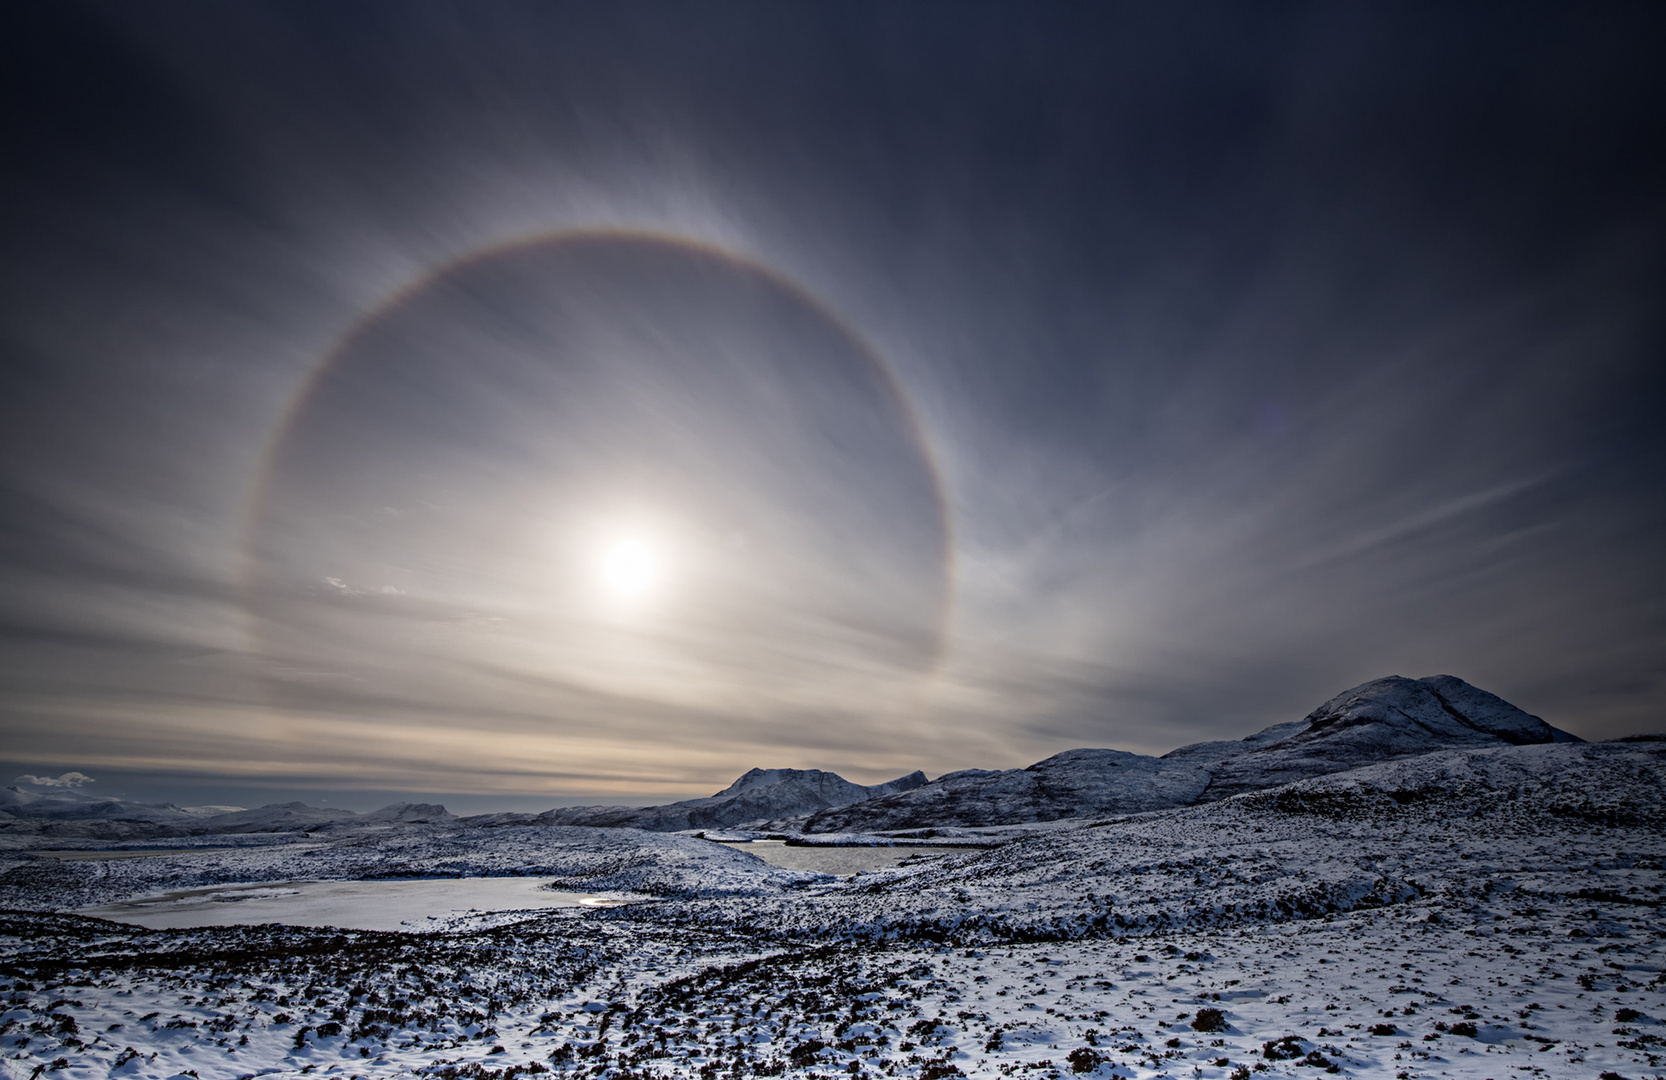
{"x": 629, "y": 567}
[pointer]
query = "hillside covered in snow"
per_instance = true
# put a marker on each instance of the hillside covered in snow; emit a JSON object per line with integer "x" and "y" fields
{"x": 761, "y": 796}
{"x": 1381, "y": 720}
{"x": 1386, "y": 719}
{"x": 1481, "y": 911}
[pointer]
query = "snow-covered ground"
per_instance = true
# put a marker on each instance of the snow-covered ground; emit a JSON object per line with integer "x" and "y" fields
{"x": 573, "y": 859}
{"x": 840, "y": 861}
{"x": 1474, "y": 913}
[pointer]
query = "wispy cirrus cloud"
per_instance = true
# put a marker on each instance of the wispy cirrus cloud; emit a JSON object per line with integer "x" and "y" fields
{"x": 1258, "y": 356}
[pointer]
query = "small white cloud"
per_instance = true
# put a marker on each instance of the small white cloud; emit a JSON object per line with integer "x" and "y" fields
{"x": 67, "y": 780}
{"x": 340, "y": 587}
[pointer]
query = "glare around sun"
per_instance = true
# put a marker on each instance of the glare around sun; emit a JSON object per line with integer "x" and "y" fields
{"x": 629, "y": 567}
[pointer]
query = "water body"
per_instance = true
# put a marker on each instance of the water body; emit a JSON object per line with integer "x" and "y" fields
{"x": 839, "y": 861}
{"x": 407, "y": 905}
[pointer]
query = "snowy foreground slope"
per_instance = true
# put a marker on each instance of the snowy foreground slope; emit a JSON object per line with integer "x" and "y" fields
{"x": 1482, "y": 912}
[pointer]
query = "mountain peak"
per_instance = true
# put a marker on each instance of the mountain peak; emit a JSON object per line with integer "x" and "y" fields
{"x": 1381, "y": 720}
{"x": 410, "y": 812}
{"x": 1440, "y": 707}
{"x": 756, "y": 778}
{"x": 758, "y": 797}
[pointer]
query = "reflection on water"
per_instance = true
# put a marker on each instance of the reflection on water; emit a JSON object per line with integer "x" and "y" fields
{"x": 428, "y": 904}
{"x": 839, "y": 861}
{"x": 410, "y": 905}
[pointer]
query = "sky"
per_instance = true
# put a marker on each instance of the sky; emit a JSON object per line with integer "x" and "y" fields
{"x": 536, "y": 403}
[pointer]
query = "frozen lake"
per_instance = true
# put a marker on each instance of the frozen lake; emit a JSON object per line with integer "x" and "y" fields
{"x": 839, "y": 861}
{"x": 426, "y": 904}
{"x": 409, "y": 905}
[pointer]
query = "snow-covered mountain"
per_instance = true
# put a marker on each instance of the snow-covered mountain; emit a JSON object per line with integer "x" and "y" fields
{"x": 1066, "y": 785}
{"x": 410, "y": 813}
{"x": 1382, "y": 720}
{"x": 68, "y": 814}
{"x": 276, "y": 817}
{"x": 760, "y": 796}
{"x": 1379, "y": 721}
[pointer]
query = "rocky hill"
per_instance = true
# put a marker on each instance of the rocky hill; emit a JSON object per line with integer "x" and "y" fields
{"x": 1382, "y": 720}
{"x": 75, "y": 815}
{"x": 759, "y": 797}
{"x": 27, "y": 809}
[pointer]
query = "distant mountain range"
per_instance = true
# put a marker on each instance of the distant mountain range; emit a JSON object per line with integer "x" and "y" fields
{"x": 71, "y": 814}
{"x": 761, "y": 795}
{"x": 1383, "y": 720}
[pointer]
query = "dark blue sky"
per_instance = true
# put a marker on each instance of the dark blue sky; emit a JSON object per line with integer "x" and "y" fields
{"x": 894, "y": 386}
